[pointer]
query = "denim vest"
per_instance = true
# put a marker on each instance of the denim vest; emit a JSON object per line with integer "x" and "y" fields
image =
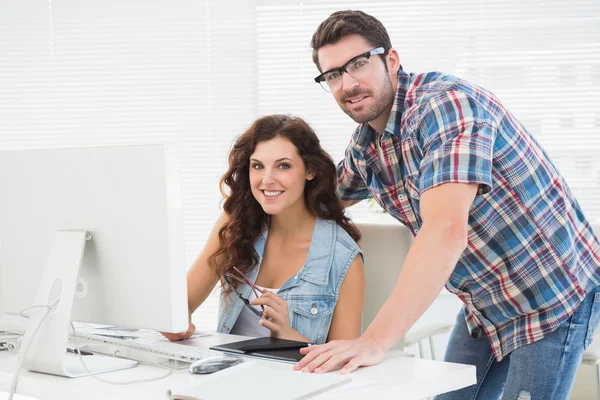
{"x": 313, "y": 292}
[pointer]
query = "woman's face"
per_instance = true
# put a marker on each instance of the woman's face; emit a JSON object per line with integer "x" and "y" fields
{"x": 277, "y": 175}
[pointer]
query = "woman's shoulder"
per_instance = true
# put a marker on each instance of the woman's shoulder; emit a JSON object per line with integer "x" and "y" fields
{"x": 331, "y": 238}
{"x": 342, "y": 237}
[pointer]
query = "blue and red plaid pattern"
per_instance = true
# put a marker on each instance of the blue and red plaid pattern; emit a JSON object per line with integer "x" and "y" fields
{"x": 531, "y": 255}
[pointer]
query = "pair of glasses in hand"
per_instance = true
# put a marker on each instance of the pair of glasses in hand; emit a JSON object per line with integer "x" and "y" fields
{"x": 241, "y": 278}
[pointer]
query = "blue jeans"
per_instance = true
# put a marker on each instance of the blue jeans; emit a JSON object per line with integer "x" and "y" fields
{"x": 545, "y": 369}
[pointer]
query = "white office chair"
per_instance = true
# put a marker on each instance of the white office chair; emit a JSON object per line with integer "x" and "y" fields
{"x": 587, "y": 381}
{"x": 385, "y": 246}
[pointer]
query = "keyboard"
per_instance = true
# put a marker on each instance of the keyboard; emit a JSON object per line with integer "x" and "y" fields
{"x": 140, "y": 349}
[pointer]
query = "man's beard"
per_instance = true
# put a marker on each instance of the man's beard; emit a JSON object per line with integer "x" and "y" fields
{"x": 380, "y": 104}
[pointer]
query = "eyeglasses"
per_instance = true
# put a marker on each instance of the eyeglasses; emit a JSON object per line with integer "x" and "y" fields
{"x": 358, "y": 67}
{"x": 240, "y": 277}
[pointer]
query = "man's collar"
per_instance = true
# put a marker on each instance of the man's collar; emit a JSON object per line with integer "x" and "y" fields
{"x": 398, "y": 107}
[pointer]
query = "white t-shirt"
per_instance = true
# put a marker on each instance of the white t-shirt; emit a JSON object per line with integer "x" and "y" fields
{"x": 247, "y": 322}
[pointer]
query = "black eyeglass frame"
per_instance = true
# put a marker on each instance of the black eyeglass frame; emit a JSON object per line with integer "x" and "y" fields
{"x": 244, "y": 279}
{"x": 343, "y": 68}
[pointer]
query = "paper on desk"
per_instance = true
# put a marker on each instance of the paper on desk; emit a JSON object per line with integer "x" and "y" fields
{"x": 259, "y": 380}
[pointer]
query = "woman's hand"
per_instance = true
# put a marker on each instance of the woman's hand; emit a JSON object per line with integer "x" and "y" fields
{"x": 275, "y": 317}
{"x": 182, "y": 335}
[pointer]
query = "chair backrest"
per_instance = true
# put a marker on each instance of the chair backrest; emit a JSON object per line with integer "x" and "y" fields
{"x": 596, "y": 229}
{"x": 384, "y": 248}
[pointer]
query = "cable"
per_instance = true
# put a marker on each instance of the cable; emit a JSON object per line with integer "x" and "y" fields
{"x": 15, "y": 381}
{"x": 16, "y": 314}
{"x": 23, "y": 356}
{"x": 15, "y": 345}
{"x": 29, "y": 308}
{"x": 20, "y": 314}
{"x": 169, "y": 369}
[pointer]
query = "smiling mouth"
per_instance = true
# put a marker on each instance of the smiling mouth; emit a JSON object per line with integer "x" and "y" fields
{"x": 354, "y": 101}
{"x": 272, "y": 193}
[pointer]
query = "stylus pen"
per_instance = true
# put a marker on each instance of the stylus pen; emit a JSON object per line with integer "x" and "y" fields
{"x": 285, "y": 346}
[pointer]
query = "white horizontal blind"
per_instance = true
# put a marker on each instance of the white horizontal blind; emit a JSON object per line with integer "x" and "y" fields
{"x": 231, "y": 107}
{"x": 541, "y": 58}
{"x": 86, "y": 72}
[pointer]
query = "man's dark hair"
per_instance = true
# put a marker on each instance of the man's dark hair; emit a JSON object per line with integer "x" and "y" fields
{"x": 349, "y": 22}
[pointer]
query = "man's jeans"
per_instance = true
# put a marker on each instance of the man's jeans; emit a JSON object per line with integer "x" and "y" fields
{"x": 544, "y": 370}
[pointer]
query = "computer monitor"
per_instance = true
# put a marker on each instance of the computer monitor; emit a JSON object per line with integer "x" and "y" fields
{"x": 98, "y": 229}
{"x": 1, "y": 298}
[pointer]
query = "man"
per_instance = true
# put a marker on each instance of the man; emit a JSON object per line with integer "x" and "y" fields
{"x": 492, "y": 217}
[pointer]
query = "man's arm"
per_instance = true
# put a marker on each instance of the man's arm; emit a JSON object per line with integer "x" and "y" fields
{"x": 445, "y": 213}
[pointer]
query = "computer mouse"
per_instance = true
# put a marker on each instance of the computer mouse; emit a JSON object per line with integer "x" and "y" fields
{"x": 209, "y": 365}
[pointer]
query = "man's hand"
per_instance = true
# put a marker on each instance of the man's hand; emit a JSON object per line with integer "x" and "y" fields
{"x": 345, "y": 354}
{"x": 182, "y": 335}
{"x": 275, "y": 317}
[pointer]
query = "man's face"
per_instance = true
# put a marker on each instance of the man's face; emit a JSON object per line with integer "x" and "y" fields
{"x": 366, "y": 99}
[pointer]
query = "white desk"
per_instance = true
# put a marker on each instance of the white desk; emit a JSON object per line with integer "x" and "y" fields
{"x": 398, "y": 377}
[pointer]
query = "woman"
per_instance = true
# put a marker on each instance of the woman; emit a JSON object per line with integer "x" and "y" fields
{"x": 284, "y": 252}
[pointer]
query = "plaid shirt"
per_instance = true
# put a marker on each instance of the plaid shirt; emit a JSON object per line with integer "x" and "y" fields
{"x": 531, "y": 255}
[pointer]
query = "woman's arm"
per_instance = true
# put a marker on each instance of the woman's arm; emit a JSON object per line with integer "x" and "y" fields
{"x": 201, "y": 278}
{"x": 347, "y": 316}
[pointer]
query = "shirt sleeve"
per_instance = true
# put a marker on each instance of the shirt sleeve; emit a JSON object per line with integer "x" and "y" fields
{"x": 350, "y": 184}
{"x": 457, "y": 138}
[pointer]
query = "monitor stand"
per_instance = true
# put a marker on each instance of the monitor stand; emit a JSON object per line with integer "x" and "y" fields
{"x": 48, "y": 346}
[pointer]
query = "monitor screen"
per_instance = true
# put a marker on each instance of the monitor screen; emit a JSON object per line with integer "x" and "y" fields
{"x": 129, "y": 198}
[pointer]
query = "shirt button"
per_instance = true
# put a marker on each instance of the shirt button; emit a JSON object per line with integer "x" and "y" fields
{"x": 313, "y": 309}
{"x": 416, "y": 231}
{"x": 296, "y": 277}
{"x": 401, "y": 197}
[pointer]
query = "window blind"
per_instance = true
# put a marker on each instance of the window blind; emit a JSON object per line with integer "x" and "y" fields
{"x": 83, "y": 73}
{"x": 542, "y": 59}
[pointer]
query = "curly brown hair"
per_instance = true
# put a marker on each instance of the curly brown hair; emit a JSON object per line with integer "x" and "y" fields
{"x": 246, "y": 216}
